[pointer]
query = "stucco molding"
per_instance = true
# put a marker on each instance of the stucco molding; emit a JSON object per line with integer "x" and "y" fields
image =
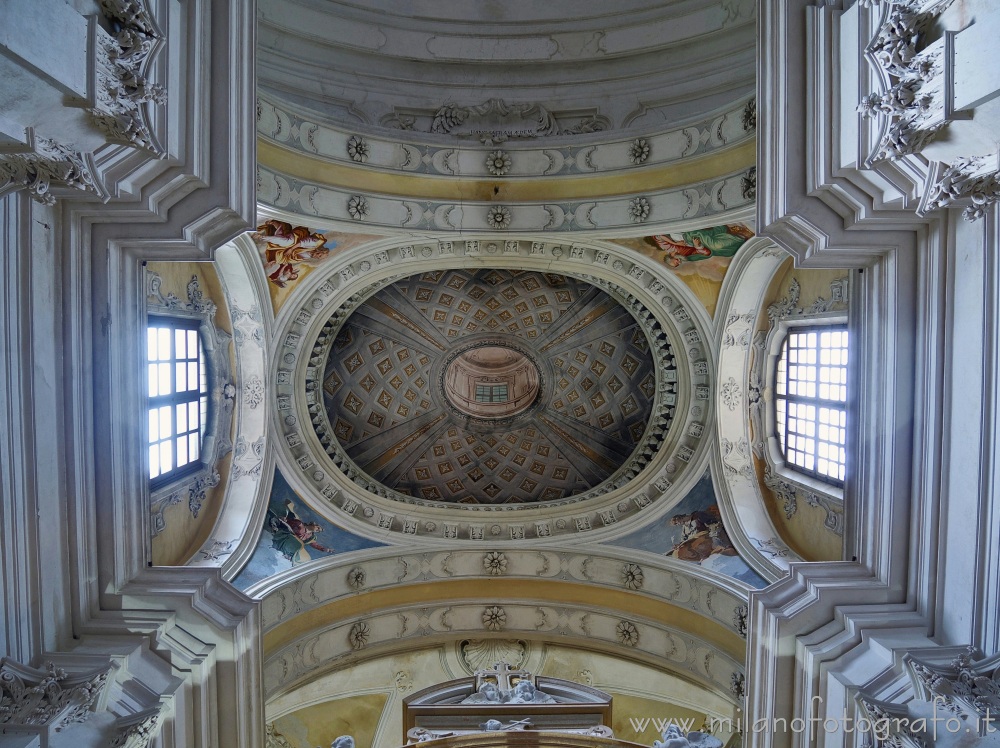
{"x": 669, "y": 473}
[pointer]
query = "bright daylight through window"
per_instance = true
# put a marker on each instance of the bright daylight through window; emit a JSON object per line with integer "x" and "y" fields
{"x": 810, "y": 408}
{"x": 178, "y": 397}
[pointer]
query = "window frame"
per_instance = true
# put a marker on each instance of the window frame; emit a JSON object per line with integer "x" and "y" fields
{"x": 175, "y": 323}
{"x": 811, "y": 481}
{"x": 216, "y": 442}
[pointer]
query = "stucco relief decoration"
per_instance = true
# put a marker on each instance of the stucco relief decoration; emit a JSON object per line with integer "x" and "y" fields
{"x": 631, "y": 575}
{"x": 911, "y": 109}
{"x": 783, "y": 491}
{"x": 122, "y": 91}
{"x": 750, "y": 115}
{"x": 248, "y": 458}
{"x": 356, "y": 578}
{"x": 973, "y": 182}
{"x": 498, "y": 217}
{"x": 732, "y": 394}
{"x": 495, "y": 563}
{"x": 495, "y": 121}
{"x": 274, "y": 739}
{"x": 479, "y": 654}
{"x": 199, "y": 490}
{"x": 137, "y": 730}
{"x": 358, "y": 635}
{"x": 218, "y": 549}
{"x": 253, "y": 392}
{"x": 357, "y": 206}
{"x": 638, "y": 151}
{"x": 358, "y": 149}
{"x": 627, "y": 633}
{"x": 748, "y": 184}
{"x": 772, "y": 547}
{"x": 494, "y": 618}
{"x": 737, "y": 686}
{"x": 49, "y": 164}
{"x": 740, "y": 615}
{"x": 403, "y": 681}
{"x": 965, "y": 687}
{"x": 48, "y": 697}
{"x": 498, "y": 163}
{"x": 638, "y": 209}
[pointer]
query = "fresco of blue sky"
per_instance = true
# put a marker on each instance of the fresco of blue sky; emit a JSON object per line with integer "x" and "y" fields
{"x": 693, "y": 532}
{"x": 293, "y": 535}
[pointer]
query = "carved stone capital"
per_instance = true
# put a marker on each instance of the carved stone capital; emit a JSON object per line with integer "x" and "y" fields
{"x": 912, "y": 106}
{"x": 49, "y": 697}
{"x": 137, "y": 730}
{"x": 122, "y": 93}
{"x": 49, "y": 164}
{"x": 972, "y": 182}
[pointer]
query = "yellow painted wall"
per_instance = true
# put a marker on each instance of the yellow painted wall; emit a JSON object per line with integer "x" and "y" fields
{"x": 320, "y": 724}
{"x": 805, "y": 532}
{"x": 365, "y": 699}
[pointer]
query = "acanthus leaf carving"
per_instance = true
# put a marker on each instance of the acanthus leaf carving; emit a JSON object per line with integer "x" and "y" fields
{"x": 48, "y": 697}
{"x": 911, "y": 106}
{"x": 48, "y": 164}
{"x": 137, "y": 730}
{"x": 974, "y": 182}
{"x": 122, "y": 92}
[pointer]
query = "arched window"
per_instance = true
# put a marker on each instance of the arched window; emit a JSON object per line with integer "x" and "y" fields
{"x": 811, "y": 401}
{"x": 178, "y": 397}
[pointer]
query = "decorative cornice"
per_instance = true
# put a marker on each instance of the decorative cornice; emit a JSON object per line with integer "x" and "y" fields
{"x": 718, "y": 199}
{"x": 326, "y": 469}
{"x": 395, "y": 151}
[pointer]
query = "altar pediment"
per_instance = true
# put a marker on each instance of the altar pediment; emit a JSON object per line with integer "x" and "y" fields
{"x": 501, "y": 699}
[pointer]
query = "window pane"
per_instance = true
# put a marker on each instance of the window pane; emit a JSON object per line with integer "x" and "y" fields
{"x": 178, "y": 384}
{"x": 810, "y": 376}
{"x": 154, "y": 460}
{"x": 163, "y": 379}
{"x": 181, "y": 377}
{"x": 163, "y": 343}
{"x": 166, "y": 456}
{"x": 166, "y": 424}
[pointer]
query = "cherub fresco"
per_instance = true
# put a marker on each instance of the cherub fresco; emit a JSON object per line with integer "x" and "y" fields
{"x": 291, "y": 537}
{"x": 286, "y": 248}
{"x": 702, "y": 536}
{"x": 689, "y": 246}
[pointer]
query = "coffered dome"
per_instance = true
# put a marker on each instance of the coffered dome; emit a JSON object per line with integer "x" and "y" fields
{"x": 491, "y": 387}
